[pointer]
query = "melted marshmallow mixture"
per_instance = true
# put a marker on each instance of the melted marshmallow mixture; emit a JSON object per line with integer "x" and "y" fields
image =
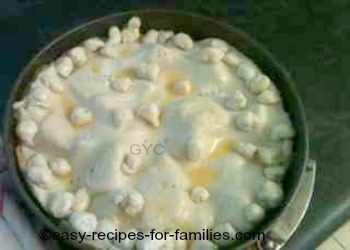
{"x": 154, "y": 131}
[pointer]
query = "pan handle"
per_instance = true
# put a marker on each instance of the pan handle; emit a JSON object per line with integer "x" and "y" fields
{"x": 287, "y": 224}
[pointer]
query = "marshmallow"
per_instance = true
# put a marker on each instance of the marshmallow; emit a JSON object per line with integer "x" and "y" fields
{"x": 231, "y": 59}
{"x": 81, "y": 116}
{"x": 259, "y": 84}
{"x": 26, "y": 130}
{"x": 37, "y": 160}
{"x": 60, "y": 167}
{"x": 110, "y": 50}
{"x": 130, "y": 164}
{"x": 131, "y": 201}
{"x": 199, "y": 194}
{"x": 236, "y": 101}
{"x": 254, "y": 213}
{"x": 83, "y": 221}
{"x": 114, "y": 35}
{"x": 183, "y": 41}
{"x": 147, "y": 71}
{"x": 60, "y": 204}
{"x": 134, "y": 22}
{"x": 212, "y": 55}
{"x": 275, "y": 173}
{"x": 269, "y": 97}
{"x": 64, "y": 66}
{"x": 78, "y": 56}
{"x": 282, "y": 131}
{"x": 93, "y": 44}
{"x": 150, "y": 113}
{"x": 269, "y": 156}
{"x": 246, "y": 149}
{"x": 150, "y": 37}
{"x": 270, "y": 194}
{"x": 81, "y": 200}
{"x": 122, "y": 85}
{"x": 246, "y": 71}
{"x": 165, "y": 35}
{"x": 248, "y": 122}
{"x": 40, "y": 176}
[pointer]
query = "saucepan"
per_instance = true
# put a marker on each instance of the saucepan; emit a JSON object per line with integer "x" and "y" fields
{"x": 198, "y": 27}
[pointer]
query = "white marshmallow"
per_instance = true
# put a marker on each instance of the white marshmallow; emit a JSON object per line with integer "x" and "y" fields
{"x": 275, "y": 173}
{"x": 114, "y": 35}
{"x": 212, "y": 55}
{"x": 225, "y": 228}
{"x": 134, "y": 22}
{"x": 270, "y": 194}
{"x": 203, "y": 245}
{"x": 231, "y": 59}
{"x": 64, "y": 66}
{"x": 165, "y": 35}
{"x": 269, "y": 156}
{"x": 150, "y": 37}
{"x": 254, "y": 213}
{"x": 110, "y": 50}
{"x": 40, "y": 176}
{"x": 40, "y": 96}
{"x": 130, "y": 35}
{"x": 37, "y": 160}
{"x": 182, "y": 87}
{"x": 60, "y": 167}
{"x": 83, "y": 221}
{"x": 183, "y": 41}
{"x": 282, "y": 131}
{"x": 147, "y": 71}
{"x": 246, "y": 149}
{"x": 246, "y": 71}
{"x": 81, "y": 116}
{"x": 130, "y": 165}
{"x": 122, "y": 116}
{"x": 133, "y": 203}
{"x": 259, "y": 84}
{"x": 248, "y": 122}
{"x": 236, "y": 101}
{"x": 81, "y": 200}
{"x": 123, "y": 84}
{"x": 78, "y": 56}
{"x": 93, "y": 44}
{"x": 60, "y": 203}
{"x": 54, "y": 83}
{"x": 199, "y": 194}
{"x": 26, "y": 130}
{"x": 269, "y": 97}
{"x": 150, "y": 113}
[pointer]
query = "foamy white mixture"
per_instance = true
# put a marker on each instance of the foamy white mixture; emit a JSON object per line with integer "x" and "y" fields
{"x": 154, "y": 131}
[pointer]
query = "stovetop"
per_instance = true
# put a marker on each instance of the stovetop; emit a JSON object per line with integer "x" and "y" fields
{"x": 311, "y": 38}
